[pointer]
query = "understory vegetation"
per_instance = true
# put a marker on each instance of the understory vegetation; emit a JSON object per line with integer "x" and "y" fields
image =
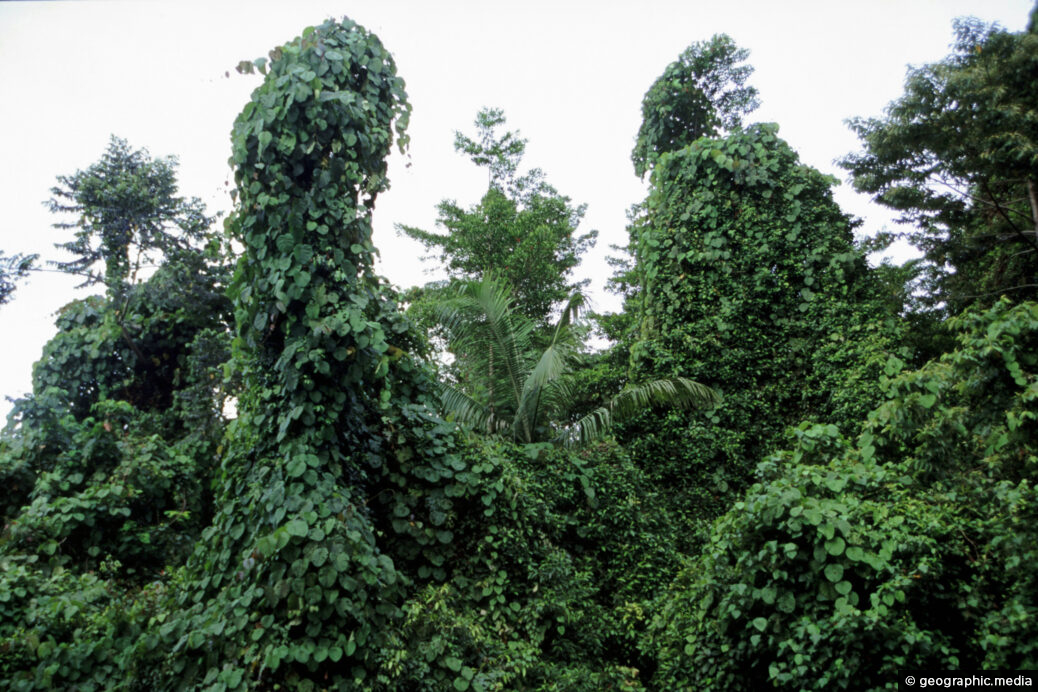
{"x": 264, "y": 467}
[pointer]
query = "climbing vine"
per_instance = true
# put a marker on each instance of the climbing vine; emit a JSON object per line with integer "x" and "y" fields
{"x": 335, "y": 488}
{"x": 750, "y": 283}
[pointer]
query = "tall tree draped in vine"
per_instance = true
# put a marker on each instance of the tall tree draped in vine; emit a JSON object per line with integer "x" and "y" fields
{"x": 753, "y": 286}
{"x": 334, "y": 498}
{"x": 744, "y": 277}
{"x": 522, "y": 231}
{"x": 108, "y": 463}
{"x": 142, "y": 358}
{"x": 957, "y": 156}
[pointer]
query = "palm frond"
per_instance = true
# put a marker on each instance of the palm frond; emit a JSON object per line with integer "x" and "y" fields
{"x": 481, "y": 324}
{"x": 544, "y": 390}
{"x": 466, "y": 410}
{"x": 519, "y": 391}
{"x": 541, "y": 387}
{"x": 678, "y": 392}
{"x": 574, "y": 309}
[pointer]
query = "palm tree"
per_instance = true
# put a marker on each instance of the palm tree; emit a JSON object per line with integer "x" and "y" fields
{"x": 507, "y": 386}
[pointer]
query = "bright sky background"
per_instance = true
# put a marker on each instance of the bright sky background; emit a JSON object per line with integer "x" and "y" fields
{"x": 569, "y": 75}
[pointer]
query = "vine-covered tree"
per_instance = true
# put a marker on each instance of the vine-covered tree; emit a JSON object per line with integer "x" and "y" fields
{"x": 909, "y": 547}
{"x": 957, "y": 155}
{"x": 751, "y": 284}
{"x": 522, "y": 231}
{"x": 108, "y": 464}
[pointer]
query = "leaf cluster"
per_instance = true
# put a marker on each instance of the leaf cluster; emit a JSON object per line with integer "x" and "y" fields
{"x": 904, "y": 548}
{"x": 522, "y": 231}
{"x": 748, "y": 281}
{"x": 701, "y": 94}
{"x": 956, "y": 155}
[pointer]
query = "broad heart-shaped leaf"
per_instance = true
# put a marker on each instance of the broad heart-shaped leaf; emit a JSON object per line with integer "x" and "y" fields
{"x": 319, "y": 556}
{"x": 834, "y": 572}
{"x": 285, "y": 242}
{"x": 297, "y": 527}
{"x": 295, "y": 467}
{"x": 787, "y": 603}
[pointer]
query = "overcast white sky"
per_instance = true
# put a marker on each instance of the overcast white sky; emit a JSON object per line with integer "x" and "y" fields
{"x": 569, "y": 75}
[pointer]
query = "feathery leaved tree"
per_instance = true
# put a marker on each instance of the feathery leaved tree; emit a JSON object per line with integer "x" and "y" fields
{"x": 13, "y": 268}
{"x": 127, "y": 214}
{"x": 522, "y": 231}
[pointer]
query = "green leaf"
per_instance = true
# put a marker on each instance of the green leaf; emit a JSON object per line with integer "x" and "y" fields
{"x": 285, "y": 242}
{"x": 297, "y": 527}
{"x": 264, "y": 139}
{"x": 295, "y": 467}
{"x": 835, "y": 546}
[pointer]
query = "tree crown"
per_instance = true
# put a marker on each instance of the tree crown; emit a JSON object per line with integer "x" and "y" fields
{"x": 700, "y": 94}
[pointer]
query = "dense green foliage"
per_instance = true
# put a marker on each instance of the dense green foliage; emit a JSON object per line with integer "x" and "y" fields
{"x": 957, "y": 155}
{"x": 749, "y": 283}
{"x": 108, "y": 465}
{"x": 701, "y": 94}
{"x": 910, "y": 548}
{"x": 522, "y": 232}
{"x": 369, "y": 523}
{"x": 508, "y": 387}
